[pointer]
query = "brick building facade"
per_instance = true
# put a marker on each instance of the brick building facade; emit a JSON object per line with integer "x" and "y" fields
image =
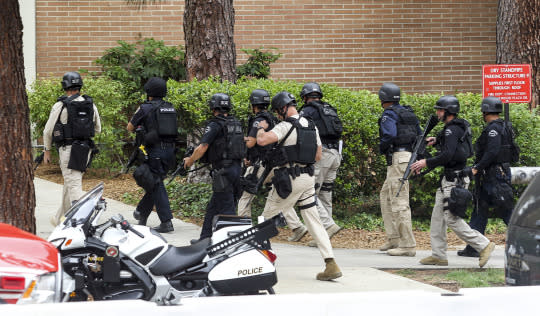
{"x": 423, "y": 46}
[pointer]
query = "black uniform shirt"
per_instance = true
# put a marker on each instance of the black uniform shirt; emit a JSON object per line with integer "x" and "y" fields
{"x": 139, "y": 116}
{"x": 255, "y": 126}
{"x": 449, "y": 139}
{"x": 489, "y": 144}
{"x": 211, "y": 132}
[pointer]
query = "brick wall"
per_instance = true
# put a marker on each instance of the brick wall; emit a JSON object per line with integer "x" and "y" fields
{"x": 423, "y": 46}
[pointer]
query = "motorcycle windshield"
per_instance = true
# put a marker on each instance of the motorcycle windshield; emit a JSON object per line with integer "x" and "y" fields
{"x": 81, "y": 212}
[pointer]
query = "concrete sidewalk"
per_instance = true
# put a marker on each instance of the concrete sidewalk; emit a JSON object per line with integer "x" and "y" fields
{"x": 296, "y": 265}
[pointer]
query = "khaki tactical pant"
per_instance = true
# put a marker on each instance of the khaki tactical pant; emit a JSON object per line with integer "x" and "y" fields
{"x": 441, "y": 219}
{"x": 396, "y": 212}
{"x": 72, "y": 190}
{"x": 244, "y": 203}
{"x": 325, "y": 175}
{"x": 303, "y": 193}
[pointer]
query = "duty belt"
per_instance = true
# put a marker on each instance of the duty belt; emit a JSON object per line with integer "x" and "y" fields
{"x": 296, "y": 170}
{"x": 396, "y": 149}
{"x": 331, "y": 145}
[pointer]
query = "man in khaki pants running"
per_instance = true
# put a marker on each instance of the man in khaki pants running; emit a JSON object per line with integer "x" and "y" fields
{"x": 293, "y": 182}
{"x": 398, "y": 128}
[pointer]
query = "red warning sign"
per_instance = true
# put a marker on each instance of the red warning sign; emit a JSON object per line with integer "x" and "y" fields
{"x": 510, "y": 83}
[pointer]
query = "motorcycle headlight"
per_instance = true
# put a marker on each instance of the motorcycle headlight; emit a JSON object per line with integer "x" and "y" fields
{"x": 41, "y": 290}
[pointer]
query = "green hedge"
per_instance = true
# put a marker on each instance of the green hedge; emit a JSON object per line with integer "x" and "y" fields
{"x": 363, "y": 170}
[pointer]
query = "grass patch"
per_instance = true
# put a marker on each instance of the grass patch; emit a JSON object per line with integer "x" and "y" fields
{"x": 477, "y": 277}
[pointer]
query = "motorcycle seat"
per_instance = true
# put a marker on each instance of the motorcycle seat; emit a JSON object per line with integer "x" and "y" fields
{"x": 176, "y": 259}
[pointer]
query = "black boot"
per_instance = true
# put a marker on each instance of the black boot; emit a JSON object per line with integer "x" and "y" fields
{"x": 165, "y": 227}
{"x": 141, "y": 220}
{"x": 468, "y": 252}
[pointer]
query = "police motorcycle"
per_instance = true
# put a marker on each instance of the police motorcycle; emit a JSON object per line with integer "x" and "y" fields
{"x": 115, "y": 260}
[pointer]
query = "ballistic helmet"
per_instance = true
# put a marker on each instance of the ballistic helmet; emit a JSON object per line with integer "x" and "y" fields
{"x": 282, "y": 99}
{"x": 156, "y": 87}
{"x": 389, "y": 92}
{"x": 492, "y": 105}
{"x": 220, "y": 102}
{"x": 260, "y": 98}
{"x": 71, "y": 80}
{"x": 311, "y": 89}
{"x": 448, "y": 103}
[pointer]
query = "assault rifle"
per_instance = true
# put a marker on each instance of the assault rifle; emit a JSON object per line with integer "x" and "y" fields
{"x": 139, "y": 148}
{"x": 180, "y": 170}
{"x": 419, "y": 147}
{"x": 39, "y": 158}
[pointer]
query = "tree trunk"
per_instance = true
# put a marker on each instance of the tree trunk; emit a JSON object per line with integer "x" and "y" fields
{"x": 209, "y": 38}
{"x": 17, "y": 199}
{"x": 518, "y": 38}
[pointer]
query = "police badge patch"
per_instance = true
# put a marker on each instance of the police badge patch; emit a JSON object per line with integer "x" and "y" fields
{"x": 207, "y": 129}
{"x": 447, "y": 132}
{"x": 493, "y": 133}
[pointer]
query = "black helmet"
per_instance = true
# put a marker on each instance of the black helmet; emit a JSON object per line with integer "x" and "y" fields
{"x": 71, "y": 79}
{"x": 220, "y": 102}
{"x": 282, "y": 99}
{"x": 311, "y": 88}
{"x": 389, "y": 92}
{"x": 492, "y": 105}
{"x": 449, "y": 103}
{"x": 156, "y": 87}
{"x": 260, "y": 98}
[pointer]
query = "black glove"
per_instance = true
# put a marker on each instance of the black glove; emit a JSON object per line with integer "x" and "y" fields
{"x": 466, "y": 172}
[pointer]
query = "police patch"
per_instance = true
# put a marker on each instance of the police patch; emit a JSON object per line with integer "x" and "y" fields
{"x": 207, "y": 129}
{"x": 447, "y": 132}
{"x": 384, "y": 119}
{"x": 255, "y": 124}
{"x": 493, "y": 133}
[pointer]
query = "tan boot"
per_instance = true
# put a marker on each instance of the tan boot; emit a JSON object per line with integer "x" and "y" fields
{"x": 434, "y": 261}
{"x": 402, "y": 251}
{"x": 331, "y": 271}
{"x": 485, "y": 254}
{"x": 298, "y": 233}
{"x": 390, "y": 244}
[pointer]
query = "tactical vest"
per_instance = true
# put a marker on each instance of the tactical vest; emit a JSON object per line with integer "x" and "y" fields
{"x": 464, "y": 149}
{"x": 229, "y": 143}
{"x": 406, "y": 126}
{"x": 509, "y": 151}
{"x": 80, "y": 122}
{"x": 257, "y": 152}
{"x": 305, "y": 149}
{"x": 328, "y": 123}
{"x": 160, "y": 123}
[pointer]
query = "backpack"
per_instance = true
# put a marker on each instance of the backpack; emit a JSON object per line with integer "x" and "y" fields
{"x": 306, "y": 142}
{"x": 510, "y": 150}
{"x": 232, "y": 145}
{"x": 80, "y": 122}
{"x": 331, "y": 126}
{"x": 466, "y": 140}
{"x": 161, "y": 123}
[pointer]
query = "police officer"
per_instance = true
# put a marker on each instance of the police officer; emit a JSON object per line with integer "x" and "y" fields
{"x": 330, "y": 129}
{"x": 67, "y": 133}
{"x": 298, "y": 147}
{"x": 492, "y": 170}
{"x": 398, "y": 129}
{"x": 158, "y": 118}
{"x": 454, "y": 150}
{"x": 222, "y": 145}
{"x": 260, "y": 100}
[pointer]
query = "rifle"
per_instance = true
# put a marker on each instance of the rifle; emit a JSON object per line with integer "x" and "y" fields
{"x": 39, "y": 160}
{"x": 419, "y": 147}
{"x": 139, "y": 147}
{"x": 180, "y": 170}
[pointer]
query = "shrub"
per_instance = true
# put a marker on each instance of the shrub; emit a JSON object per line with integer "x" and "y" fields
{"x": 110, "y": 99}
{"x": 258, "y": 63}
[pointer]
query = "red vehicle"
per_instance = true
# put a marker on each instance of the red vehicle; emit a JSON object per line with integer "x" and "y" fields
{"x": 30, "y": 268}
